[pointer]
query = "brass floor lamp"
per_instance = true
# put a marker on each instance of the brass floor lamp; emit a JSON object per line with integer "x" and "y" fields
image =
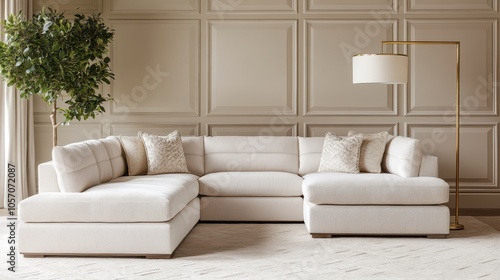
{"x": 389, "y": 68}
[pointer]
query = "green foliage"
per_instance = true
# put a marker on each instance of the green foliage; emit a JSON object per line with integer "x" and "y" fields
{"x": 49, "y": 55}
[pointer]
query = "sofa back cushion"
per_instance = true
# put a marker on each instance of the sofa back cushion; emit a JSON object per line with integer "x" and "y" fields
{"x": 310, "y": 149}
{"x": 194, "y": 153}
{"x": 251, "y": 153}
{"x": 402, "y": 156}
{"x": 82, "y": 165}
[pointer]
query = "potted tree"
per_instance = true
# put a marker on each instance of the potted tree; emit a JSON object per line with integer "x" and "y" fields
{"x": 60, "y": 61}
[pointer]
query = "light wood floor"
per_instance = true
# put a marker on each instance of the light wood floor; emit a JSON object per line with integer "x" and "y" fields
{"x": 492, "y": 221}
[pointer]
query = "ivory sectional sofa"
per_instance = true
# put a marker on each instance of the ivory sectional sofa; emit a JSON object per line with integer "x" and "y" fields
{"x": 91, "y": 207}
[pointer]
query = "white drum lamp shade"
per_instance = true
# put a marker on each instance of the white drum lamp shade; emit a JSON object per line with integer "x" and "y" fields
{"x": 380, "y": 69}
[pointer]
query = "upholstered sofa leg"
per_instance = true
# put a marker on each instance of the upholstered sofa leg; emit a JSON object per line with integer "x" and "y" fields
{"x": 321, "y": 235}
{"x": 436, "y": 236}
{"x": 33, "y": 255}
{"x": 154, "y": 256}
{"x": 159, "y": 256}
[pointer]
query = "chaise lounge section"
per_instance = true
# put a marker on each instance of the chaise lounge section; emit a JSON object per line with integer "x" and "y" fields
{"x": 406, "y": 199}
{"x": 117, "y": 215}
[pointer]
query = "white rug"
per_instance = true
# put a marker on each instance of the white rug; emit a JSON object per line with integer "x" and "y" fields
{"x": 286, "y": 251}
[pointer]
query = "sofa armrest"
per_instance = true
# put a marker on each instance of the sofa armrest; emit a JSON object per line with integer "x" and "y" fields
{"x": 47, "y": 178}
{"x": 428, "y": 166}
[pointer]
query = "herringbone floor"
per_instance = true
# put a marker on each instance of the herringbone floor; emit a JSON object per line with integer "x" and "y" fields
{"x": 286, "y": 251}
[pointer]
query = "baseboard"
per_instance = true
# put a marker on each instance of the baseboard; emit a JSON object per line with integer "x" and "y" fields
{"x": 475, "y": 201}
{"x": 476, "y": 212}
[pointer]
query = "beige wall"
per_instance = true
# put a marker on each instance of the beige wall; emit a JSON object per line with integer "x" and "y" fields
{"x": 283, "y": 67}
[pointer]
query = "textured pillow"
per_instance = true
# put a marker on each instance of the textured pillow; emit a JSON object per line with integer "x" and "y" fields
{"x": 372, "y": 151}
{"x": 341, "y": 154}
{"x": 164, "y": 153}
{"x": 135, "y": 154}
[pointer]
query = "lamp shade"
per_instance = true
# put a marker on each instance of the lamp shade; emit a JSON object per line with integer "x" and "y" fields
{"x": 380, "y": 69}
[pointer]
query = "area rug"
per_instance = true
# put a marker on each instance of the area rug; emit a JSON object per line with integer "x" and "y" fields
{"x": 286, "y": 251}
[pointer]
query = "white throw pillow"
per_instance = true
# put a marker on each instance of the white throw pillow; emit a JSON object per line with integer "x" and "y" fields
{"x": 372, "y": 151}
{"x": 164, "y": 153}
{"x": 341, "y": 154}
{"x": 135, "y": 154}
{"x": 402, "y": 156}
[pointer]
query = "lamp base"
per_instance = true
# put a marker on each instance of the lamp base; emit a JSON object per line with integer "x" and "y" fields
{"x": 456, "y": 226}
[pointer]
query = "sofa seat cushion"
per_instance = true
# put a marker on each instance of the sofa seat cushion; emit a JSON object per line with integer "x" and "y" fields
{"x": 151, "y": 198}
{"x": 369, "y": 188}
{"x": 251, "y": 184}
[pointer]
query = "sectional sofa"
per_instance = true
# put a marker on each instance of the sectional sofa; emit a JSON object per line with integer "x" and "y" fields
{"x": 88, "y": 206}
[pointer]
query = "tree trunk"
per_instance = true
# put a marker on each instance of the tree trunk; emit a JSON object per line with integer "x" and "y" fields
{"x": 53, "y": 120}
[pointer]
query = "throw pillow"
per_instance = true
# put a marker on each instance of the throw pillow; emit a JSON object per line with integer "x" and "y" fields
{"x": 135, "y": 154}
{"x": 402, "y": 156}
{"x": 164, "y": 153}
{"x": 340, "y": 154}
{"x": 372, "y": 151}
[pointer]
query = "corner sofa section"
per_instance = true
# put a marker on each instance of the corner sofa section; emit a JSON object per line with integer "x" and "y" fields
{"x": 232, "y": 178}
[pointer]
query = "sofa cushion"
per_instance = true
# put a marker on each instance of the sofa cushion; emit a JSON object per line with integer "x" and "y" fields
{"x": 137, "y": 163}
{"x": 251, "y": 184}
{"x": 402, "y": 156}
{"x": 150, "y": 198}
{"x": 251, "y": 153}
{"x": 310, "y": 149}
{"x": 82, "y": 165}
{"x": 368, "y": 188}
{"x": 372, "y": 151}
{"x": 340, "y": 154}
{"x": 194, "y": 153}
{"x": 165, "y": 154}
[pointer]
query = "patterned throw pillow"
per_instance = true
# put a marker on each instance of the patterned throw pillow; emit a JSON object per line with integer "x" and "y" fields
{"x": 164, "y": 153}
{"x": 340, "y": 154}
{"x": 135, "y": 154}
{"x": 372, "y": 151}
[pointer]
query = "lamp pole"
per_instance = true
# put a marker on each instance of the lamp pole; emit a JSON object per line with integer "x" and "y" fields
{"x": 455, "y": 225}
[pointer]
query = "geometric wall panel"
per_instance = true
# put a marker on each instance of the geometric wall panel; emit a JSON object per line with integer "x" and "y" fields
{"x": 350, "y": 6}
{"x": 431, "y": 90}
{"x": 342, "y": 129}
{"x": 131, "y": 129}
{"x": 440, "y": 6}
{"x": 252, "y": 130}
{"x": 160, "y": 74}
{"x": 478, "y": 152}
{"x": 251, "y": 6}
{"x": 329, "y": 88}
{"x": 70, "y": 6}
{"x": 153, "y": 6}
{"x": 253, "y": 67}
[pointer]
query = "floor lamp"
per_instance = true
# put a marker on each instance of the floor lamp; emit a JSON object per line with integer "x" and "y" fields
{"x": 389, "y": 68}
